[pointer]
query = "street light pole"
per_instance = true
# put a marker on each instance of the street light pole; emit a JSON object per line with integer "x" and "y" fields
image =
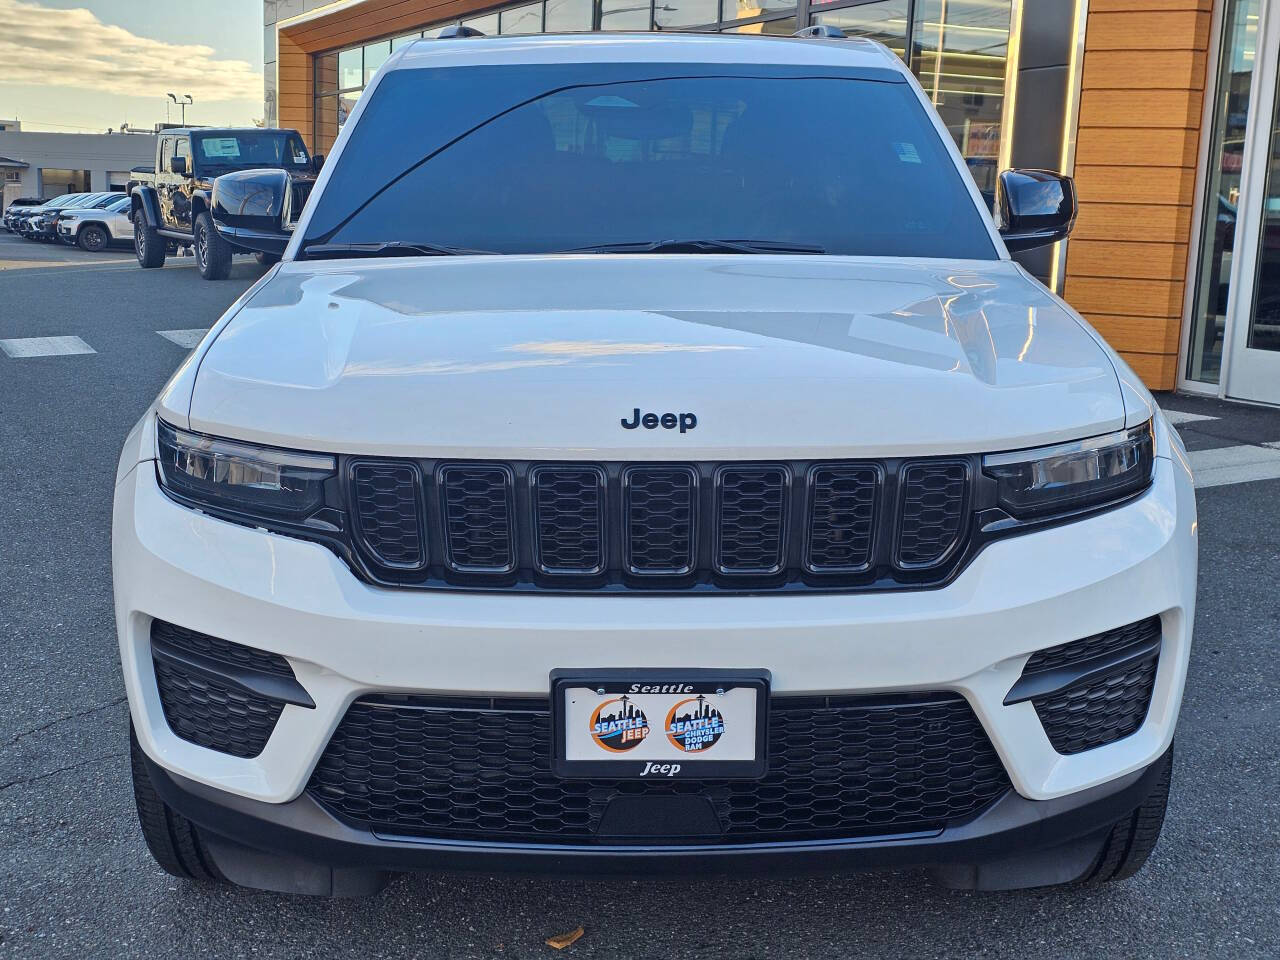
{"x": 185, "y": 101}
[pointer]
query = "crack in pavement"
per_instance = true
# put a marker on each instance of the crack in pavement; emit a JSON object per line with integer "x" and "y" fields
{"x": 22, "y": 781}
{"x": 71, "y": 716}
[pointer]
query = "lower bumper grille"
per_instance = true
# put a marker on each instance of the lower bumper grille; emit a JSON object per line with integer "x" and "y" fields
{"x": 1109, "y": 695}
{"x": 477, "y": 769}
{"x": 201, "y": 699}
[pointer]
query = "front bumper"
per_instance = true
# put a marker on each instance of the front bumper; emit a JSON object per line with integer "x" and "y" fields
{"x": 345, "y": 639}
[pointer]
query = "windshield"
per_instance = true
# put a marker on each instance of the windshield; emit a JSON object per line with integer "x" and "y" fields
{"x": 248, "y": 149}
{"x": 118, "y": 205}
{"x": 557, "y": 157}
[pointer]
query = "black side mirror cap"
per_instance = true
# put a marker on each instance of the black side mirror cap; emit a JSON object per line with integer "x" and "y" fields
{"x": 178, "y": 165}
{"x": 1034, "y": 208}
{"x": 317, "y": 161}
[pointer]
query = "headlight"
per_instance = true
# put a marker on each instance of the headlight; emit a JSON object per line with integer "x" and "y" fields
{"x": 242, "y": 477}
{"x": 1073, "y": 476}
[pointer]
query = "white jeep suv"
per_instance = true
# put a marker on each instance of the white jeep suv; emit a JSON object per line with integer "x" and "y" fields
{"x": 647, "y": 455}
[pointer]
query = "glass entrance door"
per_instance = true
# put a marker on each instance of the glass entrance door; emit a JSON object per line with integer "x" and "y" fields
{"x": 1252, "y": 368}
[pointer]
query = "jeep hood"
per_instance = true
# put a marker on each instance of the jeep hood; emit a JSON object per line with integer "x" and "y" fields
{"x": 543, "y": 357}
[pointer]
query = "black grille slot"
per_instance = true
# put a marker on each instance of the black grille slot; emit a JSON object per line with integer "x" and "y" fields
{"x": 659, "y": 511}
{"x": 388, "y": 512}
{"x": 1108, "y": 705}
{"x": 843, "y": 500}
{"x": 1098, "y": 713}
{"x": 477, "y": 505}
{"x": 933, "y": 498}
{"x": 751, "y": 504}
{"x": 838, "y": 767}
{"x": 1079, "y": 651}
{"x": 569, "y": 518}
{"x": 215, "y": 648}
{"x": 205, "y": 711}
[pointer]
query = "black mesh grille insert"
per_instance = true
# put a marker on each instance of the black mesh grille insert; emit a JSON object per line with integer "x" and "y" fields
{"x": 841, "y": 518}
{"x": 215, "y": 648}
{"x": 214, "y": 715}
{"x": 1078, "y": 651}
{"x": 933, "y": 498}
{"x": 752, "y": 504}
{"x": 480, "y": 770}
{"x": 477, "y": 518}
{"x": 1098, "y": 713}
{"x": 1102, "y": 710}
{"x": 659, "y": 516}
{"x": 388, "y": 513}
{"x": 569, "y": 519}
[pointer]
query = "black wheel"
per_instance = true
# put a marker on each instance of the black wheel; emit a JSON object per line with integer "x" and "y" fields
{"x": 147, "y": 243}
{"x": 213, "y": 254}
{"x": 1133, "y": 838}
{"x": 267, "y": 259}
{"x": 92, "y": 238}
{"x": 173, "y": 840}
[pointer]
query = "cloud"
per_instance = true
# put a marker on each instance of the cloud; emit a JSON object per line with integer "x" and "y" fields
{"x": 73, "y": 48}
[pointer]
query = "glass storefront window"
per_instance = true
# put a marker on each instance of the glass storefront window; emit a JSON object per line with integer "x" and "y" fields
{"x": 961, "y": 50}
{"x": 488, "y": 24}
{"x": 746, "y": 9}
{"x": 375, "y": 54}
{"x": 569, "y": 16}
{"x": 1222, "y": 189}
{"x": 326, "y": 121}
{"x": 404, "y": 41}
{"x": 885, "y": 21}
{"x": 684, "y": 13}
{"x": 624, "y": 15}
{"x": 326, "y": 74}
{"x": 351, "y": 69}
{"x": 517, "y": 20}
{"x": 770, "y": 28}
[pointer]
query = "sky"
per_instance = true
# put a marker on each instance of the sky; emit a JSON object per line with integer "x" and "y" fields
{"x": 82, "y": 66}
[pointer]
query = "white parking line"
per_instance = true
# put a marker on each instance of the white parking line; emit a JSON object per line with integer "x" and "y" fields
{"x": 1177, "y": 416}
{"x": 1242, "y": 464}
{"x": 25, "y": 347}
{"x": 185, "y": 338}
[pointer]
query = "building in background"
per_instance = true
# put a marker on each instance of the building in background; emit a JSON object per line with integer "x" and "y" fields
{"x": 50, "y": 164}
{"x": 1165, "y": 111}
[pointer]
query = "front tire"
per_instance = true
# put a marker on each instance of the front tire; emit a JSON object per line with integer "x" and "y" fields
{"x": 1132, "y": 839}
{"x": 148, "y": 245}
{"x": 213, "y": 254}
{"x": 92, "y": 239}
{"x": 173, "y": 840}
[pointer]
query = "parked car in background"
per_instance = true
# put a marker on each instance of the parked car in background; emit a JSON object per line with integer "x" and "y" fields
{"x": 254, "y": 182}
{"x": 16, "y": 206}
{"x": 42, "y": 223}
{"x": 96, "y": 228}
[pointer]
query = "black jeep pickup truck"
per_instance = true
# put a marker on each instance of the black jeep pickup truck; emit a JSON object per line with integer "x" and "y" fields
{"x": 222, "y": 191}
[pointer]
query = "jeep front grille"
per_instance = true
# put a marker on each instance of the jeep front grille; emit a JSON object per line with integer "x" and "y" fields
{"x": 613, "y": 526}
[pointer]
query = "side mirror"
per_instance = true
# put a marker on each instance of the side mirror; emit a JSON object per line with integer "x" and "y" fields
{"x": 178, "y": 165}
{"x": 317, "y": 161}
{"x": 1034, "y": 208}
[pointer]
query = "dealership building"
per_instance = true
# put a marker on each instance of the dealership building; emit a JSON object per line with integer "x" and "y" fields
{"x": 1161, "y": 109}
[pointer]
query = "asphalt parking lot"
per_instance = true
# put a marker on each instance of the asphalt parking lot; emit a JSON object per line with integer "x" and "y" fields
{"x": 76, "y": 880}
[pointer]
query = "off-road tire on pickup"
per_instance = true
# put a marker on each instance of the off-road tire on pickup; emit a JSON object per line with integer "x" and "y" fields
{"x": 1134, "y": 837}
{"x": 213, "y": 254}
{"x": 173, "y": 840}
{"x": 147, "y": 243}
{"x": 92, "y": 238}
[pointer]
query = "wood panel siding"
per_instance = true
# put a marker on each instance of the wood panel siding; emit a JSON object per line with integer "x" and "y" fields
{"x": 1136, "y": 152}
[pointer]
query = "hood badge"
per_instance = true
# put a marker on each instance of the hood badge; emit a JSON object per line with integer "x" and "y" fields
{"x": 668, "y": 421}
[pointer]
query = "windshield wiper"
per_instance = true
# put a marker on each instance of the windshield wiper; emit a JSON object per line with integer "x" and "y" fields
{"x": 391, "y": 248}
{"x": 700, "y": 246}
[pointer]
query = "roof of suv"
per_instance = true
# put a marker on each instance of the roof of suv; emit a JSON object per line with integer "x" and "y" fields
{"x": 649, "y": 48}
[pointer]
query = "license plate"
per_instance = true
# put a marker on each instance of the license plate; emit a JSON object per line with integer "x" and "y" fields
{"x": 659, "y": 724}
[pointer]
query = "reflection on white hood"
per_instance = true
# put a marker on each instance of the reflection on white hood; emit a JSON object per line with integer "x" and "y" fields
{"x": 542, "y": 357}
